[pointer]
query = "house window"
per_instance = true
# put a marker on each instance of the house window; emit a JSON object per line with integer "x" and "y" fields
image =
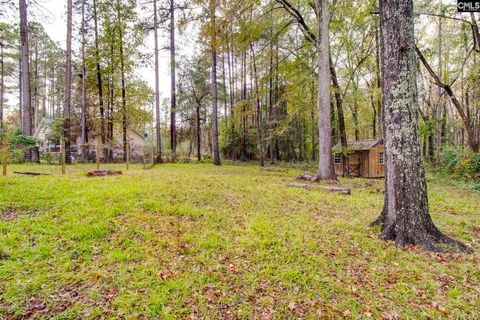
{"x": 338, "y": 158}
{"x": 381, "y": 158}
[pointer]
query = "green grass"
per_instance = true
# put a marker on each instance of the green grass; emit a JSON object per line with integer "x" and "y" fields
{"x": 230, "y": 242}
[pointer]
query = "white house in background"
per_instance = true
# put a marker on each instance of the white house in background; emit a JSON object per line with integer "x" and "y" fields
{"x": 43, "y": 135}
{"x": 137, "y": 141}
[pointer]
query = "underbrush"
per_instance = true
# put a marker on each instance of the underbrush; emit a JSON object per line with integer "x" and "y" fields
{"x": 462, "y": 164}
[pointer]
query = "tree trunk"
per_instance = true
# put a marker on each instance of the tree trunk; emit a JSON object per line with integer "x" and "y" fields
{"x": 124, "y": 88}
{"x": 199, "y": 133}
{"x": 68, "y": 86}
{"x": 225, "y": 96}
{"x": 26, "y": 104}
{"x": 243, "y": 94}
{"x": 35, "y": 90}
{"x": 216, "y": 151}
{"x": 84, "y": 93}
{"x": 107, "y": 149}
{"x": 378, "y": 81}
{"x": 2, "y": 84}
{"x": 173, "y": 98}
{"x": 158, "y": 129}
{"x": 99, "y": 76}
{"x": 405, "y": 217}
{"x": 232, "y": 97}
{"x": 440, "y": 100}
{"x": 374, "y": 118}
{"x": 312, "y": 116}
{"x": 355, "y": 114}
{"x": 271, "y": 104}
{"x": 259, "y": 111}
{"x": 341, "y": 118}
{"x": 325, "y": 165}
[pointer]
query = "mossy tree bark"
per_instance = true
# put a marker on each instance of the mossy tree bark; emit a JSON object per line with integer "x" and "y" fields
{"x": 405, "y": 217}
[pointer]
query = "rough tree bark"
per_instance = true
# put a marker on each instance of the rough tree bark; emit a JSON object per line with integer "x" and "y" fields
{"x": 173, "y": 97}
{"x": 157, "y": 86}
{"x": 325, "y": 163}
{"x": 2, "y": 83}
{"x": 216, "y": 151}
{"x": 124, "y": 85}
{"x": 68, "y": 86}
{"x": 405, "y": 218}
{"x": 84, "y": 134}
{"x": 25, "y": 73}
{"x": 99, "y": 76}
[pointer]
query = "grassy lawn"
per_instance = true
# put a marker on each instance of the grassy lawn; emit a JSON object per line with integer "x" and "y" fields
{"x": 234, "y": 242}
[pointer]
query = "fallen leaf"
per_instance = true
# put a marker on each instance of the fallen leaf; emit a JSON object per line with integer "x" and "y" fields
{"x": 292, "y": 306}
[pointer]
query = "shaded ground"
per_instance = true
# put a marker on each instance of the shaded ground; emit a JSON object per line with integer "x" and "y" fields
{"x": 197, "y": 241}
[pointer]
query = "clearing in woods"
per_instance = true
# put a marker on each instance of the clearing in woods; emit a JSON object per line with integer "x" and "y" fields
{"x": 197, "y": 241}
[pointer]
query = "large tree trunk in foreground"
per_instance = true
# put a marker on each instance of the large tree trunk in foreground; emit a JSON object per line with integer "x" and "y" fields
{"x": 405, "y": 218}
{"x": 325, "y": 165}
{"x": 216, "y": 151}
{"x": 157, "y": 87}
{"x": 68, "y": 86}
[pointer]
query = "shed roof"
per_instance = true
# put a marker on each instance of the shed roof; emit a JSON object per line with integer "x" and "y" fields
{"x": 360, "y": 145}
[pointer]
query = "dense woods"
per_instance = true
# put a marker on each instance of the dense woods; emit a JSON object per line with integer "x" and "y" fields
{"x": 264, "y": 58}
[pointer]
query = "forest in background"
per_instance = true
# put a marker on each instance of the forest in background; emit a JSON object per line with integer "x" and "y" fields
{"x": 266, "y": 77}
{"x": 259, "y": 89}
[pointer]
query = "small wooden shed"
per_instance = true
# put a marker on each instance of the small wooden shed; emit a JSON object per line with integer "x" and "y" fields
{"x": 366, "y": 159}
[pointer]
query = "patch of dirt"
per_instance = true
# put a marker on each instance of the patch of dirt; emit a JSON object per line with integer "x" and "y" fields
{"x": 12, "y": 214}
{"x": 64, "y": 298}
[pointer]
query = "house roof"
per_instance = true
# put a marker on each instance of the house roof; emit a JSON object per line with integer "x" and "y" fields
{"x": 360, "y": 145}
{"x": 44, "y": 128}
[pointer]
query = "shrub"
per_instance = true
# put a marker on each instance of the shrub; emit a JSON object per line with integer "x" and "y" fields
{"x": 50, "y": 157}
{"x": 461, "y": 162}
{"x": 14, "y": 155}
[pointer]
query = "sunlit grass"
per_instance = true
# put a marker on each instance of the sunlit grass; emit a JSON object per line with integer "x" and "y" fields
{"x": 197, "y": 241}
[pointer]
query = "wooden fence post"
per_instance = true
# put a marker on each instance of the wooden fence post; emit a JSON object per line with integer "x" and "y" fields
{"x": 5, "y": 155}
{"x": 97, "y": 155}
{"x": 63, "y": 156}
